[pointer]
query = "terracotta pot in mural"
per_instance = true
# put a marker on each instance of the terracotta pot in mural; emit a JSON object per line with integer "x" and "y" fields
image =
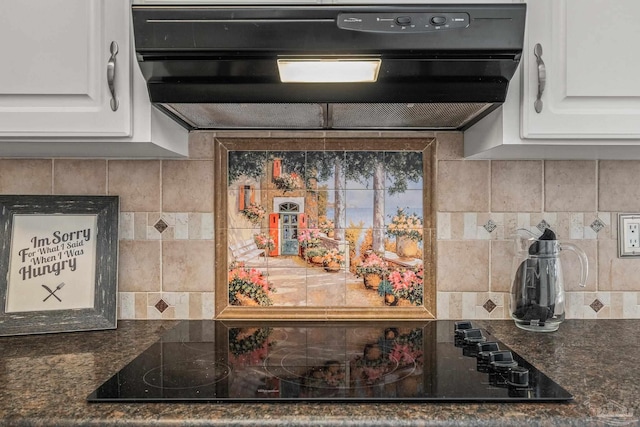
{"x": 331, "y": 234}
{"x": 371, "y": 281}
{"x": 390, "y": 299}
{"x": 332, "y": 267}
{"x": 406, "y": 247}
{"x": 246, "y": 301}
{"x": 316, "y": 260}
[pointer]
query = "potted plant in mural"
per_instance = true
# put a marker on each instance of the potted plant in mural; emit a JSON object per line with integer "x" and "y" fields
{"x": 264, "y": 241}
{"x": 249, "y": 287}
{"x": 373, "y": 270}
{"x": 315, "y": 255}
{"x": 385, "y": 290}
{"x": 408, "y": 284}
{"x": 407, "y": 229}
{"x": 288, "y": 181}
{"x": 308, "y": 239}
{"x": 326, "y": 226}
{"x": 333, "y": 260}
{"x": 254, "y": 213}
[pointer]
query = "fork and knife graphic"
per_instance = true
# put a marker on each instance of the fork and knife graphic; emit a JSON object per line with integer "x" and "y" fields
{"x": 52, "y": 293}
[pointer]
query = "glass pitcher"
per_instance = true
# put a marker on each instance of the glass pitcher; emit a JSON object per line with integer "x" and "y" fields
{"x": 537, "y": 293}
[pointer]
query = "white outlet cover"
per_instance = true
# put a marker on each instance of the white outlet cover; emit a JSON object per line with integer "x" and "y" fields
{"x": 624, "y": 249}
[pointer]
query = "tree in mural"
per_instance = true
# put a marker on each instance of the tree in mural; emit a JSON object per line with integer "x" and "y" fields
{"x": 378, "y": 168}
{"x": 251, "y": 164}
{"x": 322, "y": 165}
{"x": 397, "y": 168}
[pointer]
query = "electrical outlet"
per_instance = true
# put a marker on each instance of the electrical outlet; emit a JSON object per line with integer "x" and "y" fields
{"x": 629, "y": 235}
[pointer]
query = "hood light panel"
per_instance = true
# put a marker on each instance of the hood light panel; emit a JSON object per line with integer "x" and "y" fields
{"x": 329, "y": 70}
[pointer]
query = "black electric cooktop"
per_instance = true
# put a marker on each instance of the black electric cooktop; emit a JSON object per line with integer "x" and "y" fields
{"x": 216, "y": 361}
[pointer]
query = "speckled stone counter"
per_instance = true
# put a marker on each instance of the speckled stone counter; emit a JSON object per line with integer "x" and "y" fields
{"x": 44, "y": 380}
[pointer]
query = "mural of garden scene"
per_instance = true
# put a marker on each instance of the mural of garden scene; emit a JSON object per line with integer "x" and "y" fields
{"x": 325, "y": 228}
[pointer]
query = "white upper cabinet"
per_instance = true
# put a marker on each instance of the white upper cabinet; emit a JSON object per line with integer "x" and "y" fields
{"x": 592, "y": 63}
{"x": 54, "y": 75}
{"x": 590, "y": 105}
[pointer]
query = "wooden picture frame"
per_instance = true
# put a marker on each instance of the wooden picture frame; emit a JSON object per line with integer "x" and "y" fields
{"x": 58, "y": 263}
{"x": 244, "y": 186}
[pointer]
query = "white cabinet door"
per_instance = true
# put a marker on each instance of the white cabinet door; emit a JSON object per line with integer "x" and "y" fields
{"x": 53, "y": 77}
{"x": 590, "y": 49}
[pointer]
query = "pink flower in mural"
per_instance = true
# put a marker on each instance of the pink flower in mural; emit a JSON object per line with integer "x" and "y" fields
{"x": 254, "y": 213}
{"x": 264, "y": 241}
{"x": 408, "y": 284}
{"x": 308, "y": 238}
{"x": 398, "y": 281}
{"x": 249, "y": 284}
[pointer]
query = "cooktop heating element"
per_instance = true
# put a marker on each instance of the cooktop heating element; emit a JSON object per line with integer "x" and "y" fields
{"x": 215, "y": 361}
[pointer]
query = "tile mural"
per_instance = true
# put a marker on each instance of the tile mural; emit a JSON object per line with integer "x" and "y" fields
{"x": 329, "y": 228}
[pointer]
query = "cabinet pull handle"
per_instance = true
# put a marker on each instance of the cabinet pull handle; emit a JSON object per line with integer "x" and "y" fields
{"x": 542, "y": 77}
{"x": 111, "y": 76}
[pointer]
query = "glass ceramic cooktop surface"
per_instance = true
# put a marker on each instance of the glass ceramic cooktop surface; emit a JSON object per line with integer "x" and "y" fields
{"x": 215, "y": 361}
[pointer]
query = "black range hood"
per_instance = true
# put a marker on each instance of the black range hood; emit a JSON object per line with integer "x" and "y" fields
{"x": 438, "y": 66}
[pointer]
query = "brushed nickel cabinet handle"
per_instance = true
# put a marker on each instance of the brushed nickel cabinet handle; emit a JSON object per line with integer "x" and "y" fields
{"x": 542, "y": 77}
{"x": 111, "y": 75}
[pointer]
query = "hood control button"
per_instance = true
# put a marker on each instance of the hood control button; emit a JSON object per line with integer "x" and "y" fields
{"x": 438, "y": 20}
{"x": 403, "y": 20}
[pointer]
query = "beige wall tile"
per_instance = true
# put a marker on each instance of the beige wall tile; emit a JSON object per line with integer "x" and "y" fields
{"x": 450, "y": 145}
{"x": 80, "y": 177}
{"x": 126, "y": 305}
{"x": 516, "y": 186}
{"x": 140, "y": 226}
{"x": 187, "y": 186}
{"x": 463, "y": 266}
{"x": 616, "y": 274}
{"x": 137, "y": 182}
{"x": 195, "y": 305}
{"x": 139, "y": 266}
{"x": 26, "y": 177}
{"x": 463, "y": 186}
{"x": 187, "y": 266}
{"x": 502, "y": 253}
{"x": 570, "y": 185}
{"x": 141, "y": 305}
{"x": 618, "y": 190}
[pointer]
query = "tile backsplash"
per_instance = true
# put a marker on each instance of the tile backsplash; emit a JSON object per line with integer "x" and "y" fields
{"x": 167, "y": 245}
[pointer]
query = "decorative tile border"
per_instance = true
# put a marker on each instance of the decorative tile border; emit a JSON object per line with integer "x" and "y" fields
{"x": 166, "y": 226}
{"x": 502, "y": 225}
{"x": 578, "y": 305}
{"x": 166, "y": 305}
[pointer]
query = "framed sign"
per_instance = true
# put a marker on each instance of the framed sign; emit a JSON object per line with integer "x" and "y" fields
{"x": 58, "y": 263}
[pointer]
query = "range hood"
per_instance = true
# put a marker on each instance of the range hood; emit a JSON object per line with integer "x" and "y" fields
{"x": 436, "y": 67}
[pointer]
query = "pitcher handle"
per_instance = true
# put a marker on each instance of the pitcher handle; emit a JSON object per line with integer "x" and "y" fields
{"x": 584, "y": 264}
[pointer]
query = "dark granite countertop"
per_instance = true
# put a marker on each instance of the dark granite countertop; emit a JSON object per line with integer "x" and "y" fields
{"x": 45, "y": 379}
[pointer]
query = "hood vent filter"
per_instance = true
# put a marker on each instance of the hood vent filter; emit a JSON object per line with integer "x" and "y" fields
{"x": 417, "y": 116}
